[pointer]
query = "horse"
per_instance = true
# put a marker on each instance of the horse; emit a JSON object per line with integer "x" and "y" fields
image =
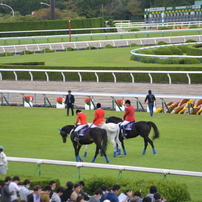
{"x": 141, "y": 128}
{"x": 96, "y": 135}
{"x": 113, "y": 135}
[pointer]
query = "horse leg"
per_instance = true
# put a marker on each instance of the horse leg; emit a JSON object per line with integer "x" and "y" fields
{"x": 77, "y": 149}
{"x": 122, "y": 144}
{"x": 96, "y": 153}
{"x": 152, "y": 145}
{"x": 85, "y": 152}
{"x": 114, "y": 146}
{"x": 145, "y": 146}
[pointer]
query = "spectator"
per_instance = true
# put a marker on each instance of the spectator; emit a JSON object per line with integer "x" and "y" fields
{"x": 80, "y": 199}
{"x": 151, "y": 100}
{"x": 76, "y": 192}
{"x": 128, "y": 193}
{"x": 5, "y": 191}
{"x": 138, "y": 195}
{"x": 84, "y": 194}
{"x": 147, "y": 199}
{"x": 35, "y": 197}
{"x": 56, "y": 196}
{"x": 68, "y": 191}
{"x": 69, "y": 101}
{"x": 3, "y": 161}
{"x": 96, "y": 197}
{"x": 158, "y": 198}
{"x": 45, "y": 196}
{"x": 52, "y": 184}
{"x": 104, "y": 192}
{"x": 13, "y": 186}
{"x": 112, "y": 196}
{"x": 24, "y": 190}
{"x": 153, "y": 190}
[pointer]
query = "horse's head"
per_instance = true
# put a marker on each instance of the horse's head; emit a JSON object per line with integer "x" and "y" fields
{"x": 64, "y": 132}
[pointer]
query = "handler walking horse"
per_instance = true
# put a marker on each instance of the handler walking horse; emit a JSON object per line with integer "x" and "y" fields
{"x": 141, "y": 128}
{"x": 96, "y": 135}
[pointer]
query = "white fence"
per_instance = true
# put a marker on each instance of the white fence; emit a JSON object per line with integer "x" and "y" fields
{"x": 98, "y": 44}
{"x": 96, "y": 72}
{"x": 106, "y": 166}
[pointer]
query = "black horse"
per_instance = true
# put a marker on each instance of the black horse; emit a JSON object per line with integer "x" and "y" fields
{"x": 96, "y": 135}
{"x": 141, "y": 128}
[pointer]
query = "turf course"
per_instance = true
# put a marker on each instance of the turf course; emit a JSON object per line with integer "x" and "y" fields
{"x": 114, "y": 57}
{"x": 32, "y": 132}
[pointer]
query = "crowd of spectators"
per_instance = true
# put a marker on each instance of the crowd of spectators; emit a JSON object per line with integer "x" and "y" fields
{"x": 12, "y": 192}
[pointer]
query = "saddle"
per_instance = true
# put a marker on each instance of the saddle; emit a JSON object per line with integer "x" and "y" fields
{"x": 129, "y": 126}
{"x": 83, "y": 130}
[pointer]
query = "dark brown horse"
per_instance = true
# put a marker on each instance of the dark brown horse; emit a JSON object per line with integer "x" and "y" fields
{"x": 141, "y": 128}
{"x": 96, "y": 135}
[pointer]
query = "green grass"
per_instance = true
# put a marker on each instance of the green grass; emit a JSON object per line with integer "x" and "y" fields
{"x": 32, "y": 133}
{"x": 114, "y": 57}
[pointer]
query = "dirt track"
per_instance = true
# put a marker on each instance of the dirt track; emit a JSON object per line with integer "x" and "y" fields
{"x": 108, "y": 87}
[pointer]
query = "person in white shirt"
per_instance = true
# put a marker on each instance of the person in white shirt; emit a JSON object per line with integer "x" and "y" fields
{"x": 3, "y": 161}
{"x": 24, "y": 190}
{"x": 13, "y": 186}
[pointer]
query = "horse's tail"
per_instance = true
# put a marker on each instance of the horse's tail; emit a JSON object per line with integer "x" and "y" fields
{"x": 105, "y": 140}
{"x": 156, "y": 131}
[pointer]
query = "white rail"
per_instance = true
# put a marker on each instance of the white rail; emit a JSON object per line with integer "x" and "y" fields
{"x": 106, "y": 166}
{"x": 99, "y": 43}
{"x": 113, "y": 72}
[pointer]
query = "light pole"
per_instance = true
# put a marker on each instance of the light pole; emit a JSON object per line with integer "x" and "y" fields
{"x": 8, "y": 7}
{"x": 45, "y": 4}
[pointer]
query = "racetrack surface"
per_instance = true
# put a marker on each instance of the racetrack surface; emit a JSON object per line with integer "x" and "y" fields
{"x": 101, "y": 87}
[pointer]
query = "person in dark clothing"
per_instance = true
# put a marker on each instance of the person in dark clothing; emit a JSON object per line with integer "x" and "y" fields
{"x": 112, "y": 196}
{"x": 151, "y": 100}
{"x": 5, "y": 192}
{"x": 84, "y": 194}
{"x": 68, "y": 191}
{"x": 69, "y": 101}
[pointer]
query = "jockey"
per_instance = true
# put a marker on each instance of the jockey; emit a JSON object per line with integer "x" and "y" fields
{"x": 82, "y": 118}
{"x": 98, "y": 116}
{"x": 129, "y": 115}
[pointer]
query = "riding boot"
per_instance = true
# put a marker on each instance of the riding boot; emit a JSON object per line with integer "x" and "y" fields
{"x": 76, "y": 138}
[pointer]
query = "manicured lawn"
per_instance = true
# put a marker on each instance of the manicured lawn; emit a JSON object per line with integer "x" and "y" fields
{"x": 32, "y": 133}
{"x": 114, "y": 57}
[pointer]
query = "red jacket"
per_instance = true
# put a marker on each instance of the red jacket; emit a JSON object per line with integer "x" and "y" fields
{"x": 98, "y": 117}
{"x": 129, "y": 114}
{"x": 82, "y": 117}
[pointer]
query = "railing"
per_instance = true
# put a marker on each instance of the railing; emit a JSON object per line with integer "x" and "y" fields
{"x": 152, "y": 25}
{"x": 134, "y": 52}
{"x": 113, "y": 72}
{"x": 98, "y": 44}
{"x": 93, "y": 36}
{"x": 106, "y": 166}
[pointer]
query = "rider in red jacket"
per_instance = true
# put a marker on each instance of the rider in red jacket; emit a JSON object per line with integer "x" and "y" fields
{"x": 98, "y": 116}
{"x": 129, "y": 115}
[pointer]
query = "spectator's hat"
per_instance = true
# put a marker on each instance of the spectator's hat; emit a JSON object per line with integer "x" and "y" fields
{"x": 69, "y": 91}
{"x": 1, "y": 147}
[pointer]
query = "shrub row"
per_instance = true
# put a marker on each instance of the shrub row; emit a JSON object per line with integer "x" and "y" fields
{"x": 51, "y": 24}
{"x": 170, "y": 190}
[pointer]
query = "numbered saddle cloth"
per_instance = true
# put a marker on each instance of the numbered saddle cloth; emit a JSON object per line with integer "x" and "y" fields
{"x": 129, "y": 126}
{"x": 83, "y": 130}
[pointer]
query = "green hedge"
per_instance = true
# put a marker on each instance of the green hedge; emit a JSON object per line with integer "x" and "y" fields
{"x": 171, "y": 190}
{"x": 50, "y": 25}
{"x": 194, "y": 49}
